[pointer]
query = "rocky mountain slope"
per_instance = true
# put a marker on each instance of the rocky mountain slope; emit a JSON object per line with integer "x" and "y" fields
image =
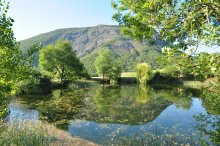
{"x": 88, "y": 40}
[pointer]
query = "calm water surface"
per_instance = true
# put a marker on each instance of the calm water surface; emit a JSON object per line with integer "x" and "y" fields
{"x": 109, "y": 114}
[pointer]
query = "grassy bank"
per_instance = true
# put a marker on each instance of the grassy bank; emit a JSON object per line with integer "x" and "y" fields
{"x": 195, "y": 84}
{"x": 200, "y": 84}
{"x": 32, "y": 133}
{"x": 128, "y": 74}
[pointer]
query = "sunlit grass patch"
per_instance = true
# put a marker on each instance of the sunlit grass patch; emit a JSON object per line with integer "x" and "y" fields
{"x": 195, "y": 84}
{"x": 128, "y": 74}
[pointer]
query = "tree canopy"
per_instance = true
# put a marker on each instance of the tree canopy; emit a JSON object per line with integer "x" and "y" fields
{"x": 7, "y": 39}
{"x": 201, "y": 66}
{"x": 107, "y": 66}
{"x": 60, "y": 61}
{"x": 103, "y": 62}
{"x": 10, "y": 57}
{"x": 143, "y": 72}
{"x": 181, "y": 23}
{"x": 9, "y": 52}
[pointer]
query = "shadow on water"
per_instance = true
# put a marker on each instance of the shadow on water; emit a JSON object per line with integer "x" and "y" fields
{"x": 108, "y": 114}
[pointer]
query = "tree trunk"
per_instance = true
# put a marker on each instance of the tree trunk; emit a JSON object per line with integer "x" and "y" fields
{"x": 62, "y": 74}
{"x": 61, "y": 79}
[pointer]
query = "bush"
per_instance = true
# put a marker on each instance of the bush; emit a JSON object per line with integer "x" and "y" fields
{"x": 169, "y": 72}
{"x": 28, "y": 87}
{"x": 160, "y": 78}
{"x": 114, "y": 73}
{"x": 45, "y": 84}
{"x": 143, "y": 72}
{"x": 42, "y": 86}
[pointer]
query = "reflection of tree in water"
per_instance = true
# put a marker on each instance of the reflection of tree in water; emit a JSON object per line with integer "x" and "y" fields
{"x": 131, "y": 104}
{"x": 142, "y": 95}
{"x": 211, "y": 100}
{"x": 179, "y": 97}
{"x": 209, "y": 124}
{"x": 32, "y": 102}
{"x": 105, "y": 96}
{"x": 110, "y": 104}
{"x": 61, "y": 108}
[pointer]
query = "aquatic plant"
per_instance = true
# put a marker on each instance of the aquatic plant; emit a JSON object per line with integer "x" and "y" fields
{"x": 156, "y": 139}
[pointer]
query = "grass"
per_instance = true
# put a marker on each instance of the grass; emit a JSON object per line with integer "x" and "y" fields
{"x": 35, "y": 133}
{"x": 128, "y": 74}
{"x": 194, "y": 84}
{"x": 197, "y": 84}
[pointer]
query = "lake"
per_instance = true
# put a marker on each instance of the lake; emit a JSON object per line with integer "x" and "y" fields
{"x": 122, "y": 114}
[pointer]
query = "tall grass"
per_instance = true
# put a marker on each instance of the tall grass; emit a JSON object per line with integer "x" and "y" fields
{"x": 25, "y": 133}
{"x": 35, "y": 133}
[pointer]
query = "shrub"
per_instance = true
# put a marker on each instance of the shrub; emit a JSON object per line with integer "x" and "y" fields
{"x": 28, "y": 87}
{"x": 42, "y": 86}
{"x": 169, "y": 71}
{"x": 114, "y": 73}
{"x": 143, "y": 72}
{"x": 45, "y": 84}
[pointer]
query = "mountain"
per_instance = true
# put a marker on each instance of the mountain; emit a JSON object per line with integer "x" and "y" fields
{"x": 88, "y": 41}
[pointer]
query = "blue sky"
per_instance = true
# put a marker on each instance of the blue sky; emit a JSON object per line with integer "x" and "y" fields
{"x": 33, "y": 17}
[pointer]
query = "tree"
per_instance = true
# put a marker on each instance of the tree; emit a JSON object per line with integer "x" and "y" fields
{"x": 7, "y": 39}
{"x": 107, "y": 66}
{"x": 115, "y": 72}
{"x": 201, "y": 66}
{"x": 182, "y": 24}
{"x": 143, "y": 72}
{"x": 12, "y": 63}
{"x": 60, "y": 61}
{"x": 10, "y": 58}
{"x": 103, "y": 62}
{"x": 9, "y": 52}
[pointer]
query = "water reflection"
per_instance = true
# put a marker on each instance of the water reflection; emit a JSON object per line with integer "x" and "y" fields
{"x": 131, "y": 105}
{"x": 209, "y": 123}
{"x": 171, "y": 120}
{"x": 106, "y": 114}
{"x": 63, "y": 107}
{"x": 18, "y": 111}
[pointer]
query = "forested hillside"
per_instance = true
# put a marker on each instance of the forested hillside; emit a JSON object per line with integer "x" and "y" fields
{"x": 88, "y": 41}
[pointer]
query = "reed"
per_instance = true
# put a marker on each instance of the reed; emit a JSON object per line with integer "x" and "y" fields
{"x": 36, "y": 133}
